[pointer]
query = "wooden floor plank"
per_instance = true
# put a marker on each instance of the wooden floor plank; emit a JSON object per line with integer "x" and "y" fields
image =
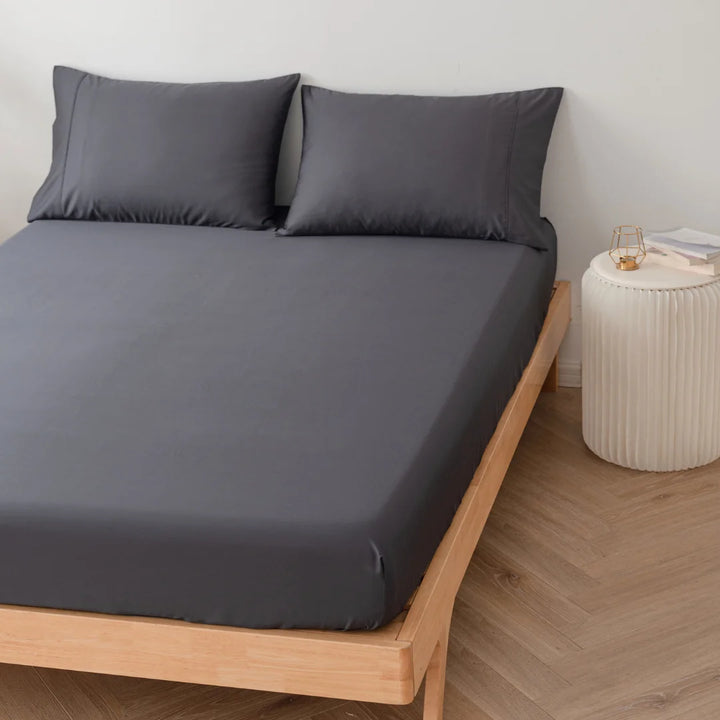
{"x": 514, "y": 578}
{"x": 517, "y": 619}
{"x": 692, "y": 602}
{"x": 645, "y": 582}
{"x": 539, "y": 557}
{"x": 489, "y": 690}
{"x": 687, "y": 695}
{"x": 83, "y": 695}
{"x": 503, "y": 654}
{"x": 593, "y": 595}
{"x": 24, "y": 696}
{"x": 633, "y": 665}
{"x": 654, "y": 545}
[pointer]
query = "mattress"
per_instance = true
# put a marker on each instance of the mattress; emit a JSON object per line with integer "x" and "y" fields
{"x": 230, "y": 427}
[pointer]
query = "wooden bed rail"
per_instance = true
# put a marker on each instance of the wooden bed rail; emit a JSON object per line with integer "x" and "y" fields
{"x": 430, "y": 612}
{"x": 433, "y": 602}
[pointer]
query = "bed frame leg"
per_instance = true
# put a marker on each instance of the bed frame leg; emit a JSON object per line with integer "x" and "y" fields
{"x": 435, "y": 679}
{"x": 551, "y": 381}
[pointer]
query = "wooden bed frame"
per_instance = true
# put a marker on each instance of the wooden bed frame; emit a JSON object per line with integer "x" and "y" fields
{"x": 385, "y": 665}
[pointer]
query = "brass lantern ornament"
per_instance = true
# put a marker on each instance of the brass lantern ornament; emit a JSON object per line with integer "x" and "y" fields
{"x": 628, "y": 247}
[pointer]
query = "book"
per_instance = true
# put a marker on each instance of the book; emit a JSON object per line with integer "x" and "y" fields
{"x": 703, "y": 252}
{"x": 686, "y": 235}
{"x": 675, "y": 260}
{"x": 690, "y": 243}
{"x": 678, "y": 258}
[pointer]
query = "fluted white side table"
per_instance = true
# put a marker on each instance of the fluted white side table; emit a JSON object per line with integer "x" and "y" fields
{"x": 651, "y": 365}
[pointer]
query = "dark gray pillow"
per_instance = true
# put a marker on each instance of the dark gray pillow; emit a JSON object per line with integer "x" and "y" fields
{"x": 198, "y": 154}
{"x": 464, "y": 167}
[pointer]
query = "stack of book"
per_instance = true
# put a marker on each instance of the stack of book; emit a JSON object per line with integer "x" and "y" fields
{"x": 685, "y": 249}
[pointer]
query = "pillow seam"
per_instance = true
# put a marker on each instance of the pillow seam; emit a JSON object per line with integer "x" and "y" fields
{"x": 67, "y": 142}
{"x": 287, "y": 229}
{"x": 511, "y": 148}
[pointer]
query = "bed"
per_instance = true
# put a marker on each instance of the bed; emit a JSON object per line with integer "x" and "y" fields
{"x": 259, "y": 452}
{"x": 222, "y": 449}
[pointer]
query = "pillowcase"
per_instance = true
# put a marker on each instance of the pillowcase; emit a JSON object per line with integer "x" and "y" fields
{"x": 195, "y": 154}
{"x": 463, "y": 167}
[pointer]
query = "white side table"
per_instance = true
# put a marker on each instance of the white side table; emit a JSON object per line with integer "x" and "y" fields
{"x": 651, "y": 365}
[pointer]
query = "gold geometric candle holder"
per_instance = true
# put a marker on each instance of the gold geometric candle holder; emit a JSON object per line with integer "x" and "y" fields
{"x": 628, "y": 247}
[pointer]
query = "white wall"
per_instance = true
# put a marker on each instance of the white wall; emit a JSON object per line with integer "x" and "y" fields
{"x": 637, "y": 139}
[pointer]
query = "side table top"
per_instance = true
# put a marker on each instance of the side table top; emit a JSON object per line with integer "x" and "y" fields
{"x": 649, "y": 276}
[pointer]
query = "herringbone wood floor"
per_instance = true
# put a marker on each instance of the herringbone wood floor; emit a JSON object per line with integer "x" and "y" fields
{"x": 594, "y": 594}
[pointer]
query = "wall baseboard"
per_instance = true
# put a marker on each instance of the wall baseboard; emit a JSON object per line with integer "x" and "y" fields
{"x": 570, "y": 374}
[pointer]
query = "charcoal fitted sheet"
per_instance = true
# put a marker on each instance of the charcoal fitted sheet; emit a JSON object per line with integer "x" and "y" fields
{"x": 230, "y": 427}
